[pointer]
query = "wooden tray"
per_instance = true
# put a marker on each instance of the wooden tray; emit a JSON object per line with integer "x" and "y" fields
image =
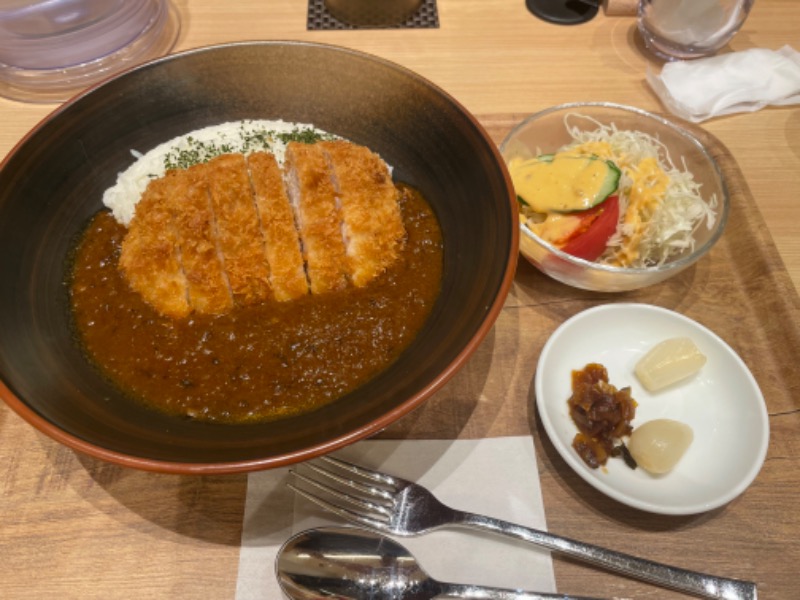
{"x": 742, "y": 292}
{"x": 59, "y": 501}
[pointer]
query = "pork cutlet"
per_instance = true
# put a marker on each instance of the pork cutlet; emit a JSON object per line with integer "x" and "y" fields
{"x": 238, "y": 230}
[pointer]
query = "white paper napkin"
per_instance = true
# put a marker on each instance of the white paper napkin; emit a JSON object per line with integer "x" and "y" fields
{"x": 497, "y": 477}
{"x": 743, "y": 81}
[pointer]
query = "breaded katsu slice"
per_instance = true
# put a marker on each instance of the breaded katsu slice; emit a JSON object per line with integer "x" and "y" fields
{"x": 190, "y": 205}
{"x": 313, "y": 198}
{"x": 282, "y": 242}
{"x": 150, "y": 255}
{"x": 368, "y": 202}
{"x": 238, "y": 231}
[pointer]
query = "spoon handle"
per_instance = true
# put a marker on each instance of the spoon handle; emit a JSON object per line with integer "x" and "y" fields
{"x": 474, "y": 592}
{"x": 707, "y": 586}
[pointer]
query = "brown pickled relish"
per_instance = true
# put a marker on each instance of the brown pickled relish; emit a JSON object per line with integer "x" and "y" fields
{"x": 602, "y": 413}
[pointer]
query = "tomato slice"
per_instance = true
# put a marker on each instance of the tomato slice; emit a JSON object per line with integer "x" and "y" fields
{"x": 598, "y": 224}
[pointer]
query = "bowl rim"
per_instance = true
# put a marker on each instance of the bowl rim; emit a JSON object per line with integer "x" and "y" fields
{"x": 680, "y": 262}
{"x": 39, "y": 422}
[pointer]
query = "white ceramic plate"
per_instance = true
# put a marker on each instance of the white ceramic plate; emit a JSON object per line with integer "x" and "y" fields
{"x": 722, "y": 404}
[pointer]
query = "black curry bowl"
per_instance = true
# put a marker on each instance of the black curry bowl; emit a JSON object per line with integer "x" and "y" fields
{"x": 53, "y": 182}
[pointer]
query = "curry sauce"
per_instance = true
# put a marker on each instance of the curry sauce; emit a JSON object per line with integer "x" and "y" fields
{"x": 261, "y": 362}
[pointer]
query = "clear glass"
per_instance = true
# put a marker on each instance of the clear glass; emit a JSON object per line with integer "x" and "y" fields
{"x": 685, "y": 29}
{"x": 52, "y": 49}
{"x": 546, "y": 131}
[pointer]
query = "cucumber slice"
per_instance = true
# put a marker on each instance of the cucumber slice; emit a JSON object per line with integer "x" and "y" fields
{"x": 610, "y": 182}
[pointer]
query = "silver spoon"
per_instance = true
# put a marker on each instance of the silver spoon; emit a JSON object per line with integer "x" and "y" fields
{"x": 348, "y": 563}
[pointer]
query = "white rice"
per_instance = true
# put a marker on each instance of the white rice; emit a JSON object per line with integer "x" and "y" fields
{"x": 236, "y": 136}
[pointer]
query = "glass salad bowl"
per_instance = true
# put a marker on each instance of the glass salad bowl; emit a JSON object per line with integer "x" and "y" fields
{"x": 677, "y": 150}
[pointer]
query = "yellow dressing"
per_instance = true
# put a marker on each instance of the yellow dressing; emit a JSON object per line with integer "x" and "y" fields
{"x": 649, "y": 184}
{"x": 556, "y": 228}
{"x": 565, "y": 184}
{"x": 593, "y": 148}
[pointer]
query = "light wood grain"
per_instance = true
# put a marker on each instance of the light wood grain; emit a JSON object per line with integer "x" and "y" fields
{"x": 72, "y": 527}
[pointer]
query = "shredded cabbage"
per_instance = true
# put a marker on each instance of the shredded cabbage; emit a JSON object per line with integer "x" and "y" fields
{"x": 660, "y": 204}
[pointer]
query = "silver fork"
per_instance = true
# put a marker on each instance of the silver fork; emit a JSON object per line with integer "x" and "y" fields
{"x": 393, "y": 505}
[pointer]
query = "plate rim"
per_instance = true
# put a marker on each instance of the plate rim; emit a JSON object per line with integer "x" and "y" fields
{"x": 580, "y": 469}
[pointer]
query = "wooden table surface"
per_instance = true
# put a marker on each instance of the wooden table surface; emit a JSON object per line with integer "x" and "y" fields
{"x": 73, "y": 527}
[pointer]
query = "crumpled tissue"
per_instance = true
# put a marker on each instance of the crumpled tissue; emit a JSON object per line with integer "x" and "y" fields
{"x": 743, "y": 81}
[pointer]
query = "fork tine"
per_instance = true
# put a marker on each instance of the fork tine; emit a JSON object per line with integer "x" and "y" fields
{"x": 364, "y": 489}
{"x": 357, "y": 502}
{"x": 376, "y": 476}
{"x": 347, "y": 515}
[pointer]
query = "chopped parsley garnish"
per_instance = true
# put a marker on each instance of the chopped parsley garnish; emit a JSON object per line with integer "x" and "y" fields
{"x": 249, "y": 139}
{"x": 307, "y": 136}
{"x": 197, "y": 152}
